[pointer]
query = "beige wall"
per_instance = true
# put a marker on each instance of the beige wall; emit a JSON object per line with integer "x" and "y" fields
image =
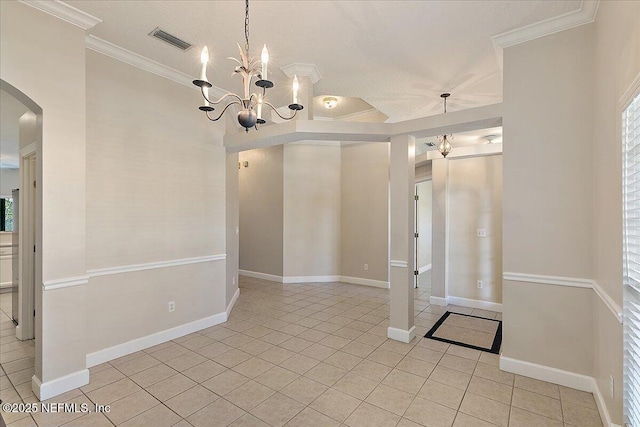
{"x": 617, "y": 63}
{"x": 475, "y": 201}
{"x": 56, "y": 83}
{"x": 424, "y": 223}
{"x": 261, "y": 210}
{"x": 9, "y": 180}
{"x": 548, "y": 197}
{"x": 365, "y": 211}
{"x": 548, "y": 325}
{"x": 311, "y": 210}
{"x": 155, "y": 192}
{"x": 233, "y": 225}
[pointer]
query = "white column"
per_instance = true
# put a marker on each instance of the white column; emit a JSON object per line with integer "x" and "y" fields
{"x": 402, "y": 164}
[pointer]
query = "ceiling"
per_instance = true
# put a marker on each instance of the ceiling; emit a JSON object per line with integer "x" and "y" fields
{"x": 397, "y": 56}
{"x": 10, "y": 112}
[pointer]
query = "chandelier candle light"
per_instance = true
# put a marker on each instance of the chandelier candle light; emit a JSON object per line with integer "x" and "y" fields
{"x": 251, "y": 104}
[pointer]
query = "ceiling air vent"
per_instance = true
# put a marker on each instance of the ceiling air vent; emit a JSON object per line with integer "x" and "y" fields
{"x": 171, "y": 39}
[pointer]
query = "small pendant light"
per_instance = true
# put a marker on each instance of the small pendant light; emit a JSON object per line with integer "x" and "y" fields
{"x": 444, "y": 147}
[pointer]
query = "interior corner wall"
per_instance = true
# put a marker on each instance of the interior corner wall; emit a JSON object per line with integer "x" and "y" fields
{"x": 261, "y": 189}
{"x": 475, "y": 202}
{"x": 617, "y": 65}
{"x": 311, "y": 218}
{"x": 547, "y": 199}
{"x": 364, "y": 211}
{"x": 424, "y": 220}
{"x": 233, "y": 225}
{"x": 56, "y": 83}
{"x": 155, "y": 195}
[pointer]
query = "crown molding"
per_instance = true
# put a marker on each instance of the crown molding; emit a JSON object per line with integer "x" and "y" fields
{"x": 585, "y": 15}
{"x": 121, "y": 54}
{"x": 65, "y": 12}
{"x": 300, "y": 69}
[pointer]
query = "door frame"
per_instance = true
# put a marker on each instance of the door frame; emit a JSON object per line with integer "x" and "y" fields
{"x": 27, "y": 235}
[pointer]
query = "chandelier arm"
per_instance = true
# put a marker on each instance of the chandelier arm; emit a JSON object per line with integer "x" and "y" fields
{"x": 222, "y": 98}
{"x": 276, "y": 110}
{"x": 222, "y": 113}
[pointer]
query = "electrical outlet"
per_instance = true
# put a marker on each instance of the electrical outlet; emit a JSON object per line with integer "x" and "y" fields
{"x": 234, "y": 280}
{"x": 172, "y": 306}
{"x": 481, "y": 232}
{"x": 480, "y": 284}
{"x": 611, "y": 388}
{"x": 366, "y": 267}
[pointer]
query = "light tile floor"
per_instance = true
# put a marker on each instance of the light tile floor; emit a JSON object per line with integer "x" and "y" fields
{"x": 305, "y": 355}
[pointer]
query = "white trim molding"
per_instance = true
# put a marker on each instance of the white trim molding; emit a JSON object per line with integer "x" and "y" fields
{"x": 263, "y": 276}
{"x": 235, "y": 297}
{"x": 573, "y": 282}
{"x": 300, "y": 69}
{"x": 67, "y": 282}
{"x": 365, "y": 282}
{"x": 399, "y": 264}
{"x": 548, "y": 280}
{"x": 474, "y": 303}
{"x": 559, "y": 376}
{"x": 65, "y": 12}
{"x": 615, "y": 309}
{"x": 60, "y": 385}
{"x": 153, "y": 265}
{"x": 401, "y": 335}
{"x": 121, "y": 54}
{"x": 104, "y": 355}
{"x": 438, "y": 301}
{"x": 29, "y": 149}
{"x": 424, "y": 268}
{"x": 310, "y": 279}
{"x": 584, "y": 15}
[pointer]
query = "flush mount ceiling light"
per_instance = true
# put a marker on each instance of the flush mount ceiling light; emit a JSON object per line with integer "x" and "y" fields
{"x": 445, "y": 140}
{"x": 250, "y": 115}
{"x": 490, "y": 138}
{"x": 330, "y": 102}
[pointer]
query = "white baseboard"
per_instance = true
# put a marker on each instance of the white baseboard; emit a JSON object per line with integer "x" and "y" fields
{"x": 401, "y": 335}
{"x": 232, "y": 303}
{"x": 438, "y": 301}
{"x": 4, "y": 285}
{"x": 310, "y": 279}
{"x": 547, "y": 373}
{"x": 558, "y": 376}
{"x": 424, "y": 268}
{"x": 602, "y": 407}
{"x": 474, "y": 303}
{"x": 365, "y": 282}
{"x": 60, "y": 385}
{"x": 263, "y": 276}
{"x": 138, "y": 344}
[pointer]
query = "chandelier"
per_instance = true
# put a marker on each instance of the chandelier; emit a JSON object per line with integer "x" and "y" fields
{"x": 251, "y": 104}
{"x": 445, "y": 140}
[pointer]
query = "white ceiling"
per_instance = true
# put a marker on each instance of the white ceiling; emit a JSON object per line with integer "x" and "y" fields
{"x": 10, "y": 112}
{"x": 462, "y": 139}
{"x": 397, "y": 56}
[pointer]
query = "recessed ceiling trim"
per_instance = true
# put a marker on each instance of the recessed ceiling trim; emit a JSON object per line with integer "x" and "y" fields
{"x": 300, "y": 69}
{"x": 585, "y": 15}
{"x": 359, "y": 115}
{"x": 65, "y": 12}
{"x": 121, "y": 54}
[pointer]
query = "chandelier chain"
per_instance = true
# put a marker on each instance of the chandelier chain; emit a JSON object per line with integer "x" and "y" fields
{"x": 246, "y": 25}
